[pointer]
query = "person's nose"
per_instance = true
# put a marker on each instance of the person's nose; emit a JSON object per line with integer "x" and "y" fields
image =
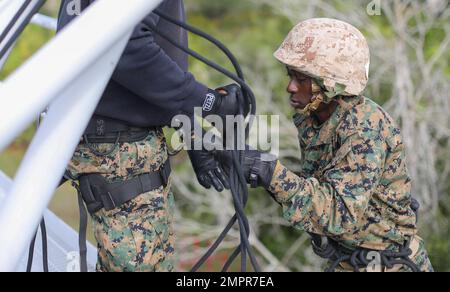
{"x": 292, "y": 87}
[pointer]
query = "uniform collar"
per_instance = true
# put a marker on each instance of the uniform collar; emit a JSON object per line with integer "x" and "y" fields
{"x": 311, "y": 134}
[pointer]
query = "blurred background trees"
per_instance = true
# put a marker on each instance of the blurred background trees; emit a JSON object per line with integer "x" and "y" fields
{"x": 410, "y": 77}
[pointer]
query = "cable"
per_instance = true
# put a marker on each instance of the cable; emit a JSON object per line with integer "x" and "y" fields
{"x": 43, "y": 234}
{"x": 31, "y": 253}
{"x": 44, "y": 246}
{"x": 247, "y": 91}
{"x": 204, "y": 35}
{"x": 44, "y": 249}
{"x": 237, "y": 179}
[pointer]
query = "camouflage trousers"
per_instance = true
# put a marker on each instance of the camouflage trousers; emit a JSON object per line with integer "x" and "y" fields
{"x": 137, "y": 236}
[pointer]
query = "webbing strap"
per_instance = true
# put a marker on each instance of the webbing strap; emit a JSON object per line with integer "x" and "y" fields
{"x": 99, "y": 194}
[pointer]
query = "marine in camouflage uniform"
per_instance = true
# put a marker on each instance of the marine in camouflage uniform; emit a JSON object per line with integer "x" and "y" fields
{"x": 137, "y": 236}
{"x": 353, "y": 187}
{"x": 150, "y": 86}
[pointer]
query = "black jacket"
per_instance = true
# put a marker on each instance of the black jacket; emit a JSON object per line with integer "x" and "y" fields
{"x": 150, "y": 84}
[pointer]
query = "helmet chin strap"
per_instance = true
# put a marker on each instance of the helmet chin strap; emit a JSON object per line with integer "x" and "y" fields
{"x": 318, "y": 98}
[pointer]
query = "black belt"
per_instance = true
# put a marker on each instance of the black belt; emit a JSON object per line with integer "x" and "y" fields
{"x": 105, "y": 130}
{"x": 98, "y": 194}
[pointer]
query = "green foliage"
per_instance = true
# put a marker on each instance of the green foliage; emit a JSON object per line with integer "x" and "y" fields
{"x": 216, "y": 9}
{"x": 241, "y": 30}
{"x": 438, "y": 243}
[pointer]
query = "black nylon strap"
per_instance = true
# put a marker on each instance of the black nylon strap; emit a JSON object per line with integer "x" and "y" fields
{"x": 123, "y": 192}
{"x": 99, "y": 194}
{"x": 105, "y": 130}
{"x": 100, "y": 126}
{"x": 120, "y": 193}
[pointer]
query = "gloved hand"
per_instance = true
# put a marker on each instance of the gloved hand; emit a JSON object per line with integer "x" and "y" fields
{"x": 258, "y": 167}
{"x": 208, "y": 171}
{"x": 226, "y": 101}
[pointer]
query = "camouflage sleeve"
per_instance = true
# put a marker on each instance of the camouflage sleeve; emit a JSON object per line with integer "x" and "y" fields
{"x": 333, "y": 204}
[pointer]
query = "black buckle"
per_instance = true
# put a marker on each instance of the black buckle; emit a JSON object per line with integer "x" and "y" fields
{"x": 253, "y": 180}
{"x": 254, "y": 174}
{"x": 164, "y": 173}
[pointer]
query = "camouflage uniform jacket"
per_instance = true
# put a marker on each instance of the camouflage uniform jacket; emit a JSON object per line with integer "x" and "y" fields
{"x": 354, "y": 185}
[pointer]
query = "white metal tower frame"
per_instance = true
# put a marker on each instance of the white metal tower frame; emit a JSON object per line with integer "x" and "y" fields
{"x": 70, "y": 74}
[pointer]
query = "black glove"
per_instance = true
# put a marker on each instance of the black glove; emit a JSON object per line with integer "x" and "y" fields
{"x": 208, "y": 171}
{"x": 226, "y": 101}
{"x": 257, "y": 171}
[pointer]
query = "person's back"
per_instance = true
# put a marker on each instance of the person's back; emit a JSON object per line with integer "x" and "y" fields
{"x": 122, "y": 162}
{"x": 151, "y": 83}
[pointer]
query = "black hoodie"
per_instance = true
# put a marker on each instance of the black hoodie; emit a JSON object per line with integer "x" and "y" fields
{"x": 150, "y": 84}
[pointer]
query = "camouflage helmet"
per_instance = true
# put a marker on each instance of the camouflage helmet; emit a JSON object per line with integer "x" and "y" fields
{"x": 331, "y": 51}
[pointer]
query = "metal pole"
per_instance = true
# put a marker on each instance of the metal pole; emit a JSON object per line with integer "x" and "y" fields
{"x": 45, "y": 21}
{"x": 47, "y": 157}
{"x": 62, "y": 242}
{"x": 31, "y": 88}
{"x": 13, "y": 26}
{"x": 40, "y": 20}
{"x": 8, "y": 8}
{"x": 5, "y": 58}
{"x": 76, "y": 66}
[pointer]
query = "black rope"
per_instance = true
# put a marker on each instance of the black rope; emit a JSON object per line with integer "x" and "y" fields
{"x": 98, "y": 153}
{"x": 239, "y": 190}
{"x": 43, "y": 238}
{"x": 215, "y": 245}
{"x": 240, "y": 209}
{"x": 242, "y": 221}
{"x": 43, "y": 234}
{"x": 248, "y": 92}
{"x": 357, "y": 258}
{"x": 44, "y": 249}
{"x": 31, "y": 253}
{"x": 237, "y": 179}
{"x": 44, "y": 246}
{"x": 204, "y": 35}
